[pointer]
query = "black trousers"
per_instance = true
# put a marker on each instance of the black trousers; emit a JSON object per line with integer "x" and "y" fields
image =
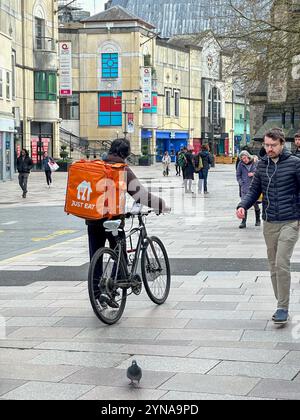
{"x": 48, "y": 177}
{"x": 98, "y": 237}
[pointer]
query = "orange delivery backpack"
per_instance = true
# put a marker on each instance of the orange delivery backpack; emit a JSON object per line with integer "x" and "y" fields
{"x": 96, "y": 189}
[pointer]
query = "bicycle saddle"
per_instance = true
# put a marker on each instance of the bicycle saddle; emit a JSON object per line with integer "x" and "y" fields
{"x": 112, "y": 225}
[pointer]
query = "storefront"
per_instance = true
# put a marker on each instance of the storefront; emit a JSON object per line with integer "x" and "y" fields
{"x": 7, "y": 129}
{"x": 170, "y": 141}
{"x": 41, "y": 141}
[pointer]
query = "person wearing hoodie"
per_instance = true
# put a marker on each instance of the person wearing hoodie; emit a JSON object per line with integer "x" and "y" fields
{"x": 244, "y": 175}
{"x": 24, "y": 166}
{"x": 277, "y": 177}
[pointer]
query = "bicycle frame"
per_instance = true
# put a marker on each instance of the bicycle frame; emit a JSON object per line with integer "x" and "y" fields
{"x": 122, "y": 257}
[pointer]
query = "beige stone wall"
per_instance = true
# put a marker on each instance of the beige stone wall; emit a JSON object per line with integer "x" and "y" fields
{"x": 17, "y": 20}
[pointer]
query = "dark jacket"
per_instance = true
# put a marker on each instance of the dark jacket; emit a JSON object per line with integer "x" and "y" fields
{"x": 206, "y": 159}
{"x": 189, "y": 169}
{"x": 242, "y": 176}
{"x": 134, "y": 188}
{"x": 297, "y": 153}
{"x": 280, "y": 184}
{"x": 24, "y": 165}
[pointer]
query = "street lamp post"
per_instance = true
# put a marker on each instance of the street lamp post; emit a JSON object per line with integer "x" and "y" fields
{"x": 125, "y": 113}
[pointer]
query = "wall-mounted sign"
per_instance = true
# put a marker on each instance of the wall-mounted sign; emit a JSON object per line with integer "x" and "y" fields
{"x": 65, "y": 59}
{"x": 147, "y": 87}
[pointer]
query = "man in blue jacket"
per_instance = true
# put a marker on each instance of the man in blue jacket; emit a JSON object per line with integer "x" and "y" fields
{"x": 278, "y": 178}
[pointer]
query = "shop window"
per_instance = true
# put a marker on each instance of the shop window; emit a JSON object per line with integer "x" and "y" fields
{"x": 110, "y": 66}
{"x": 45, "y": 88}
{"x": 110, "y": 109}
{"x": 69, "y": 107}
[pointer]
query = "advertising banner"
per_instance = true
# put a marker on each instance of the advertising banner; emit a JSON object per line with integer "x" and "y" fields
{"x": 147, "y": 87}
{"x": 130, "y": 124}
{"x": 34, "y": 151}
{"x": 65, "y": 58}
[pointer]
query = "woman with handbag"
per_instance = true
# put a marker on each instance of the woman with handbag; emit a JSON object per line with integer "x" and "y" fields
{"x": 47, "y": 161}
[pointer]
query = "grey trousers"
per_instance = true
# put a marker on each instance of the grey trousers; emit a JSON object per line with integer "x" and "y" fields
{"x": 281, "y": 239}
{"x": 23, "y": 180}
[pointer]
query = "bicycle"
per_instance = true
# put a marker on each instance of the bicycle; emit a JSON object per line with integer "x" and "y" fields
{"x": 113, "y": 272}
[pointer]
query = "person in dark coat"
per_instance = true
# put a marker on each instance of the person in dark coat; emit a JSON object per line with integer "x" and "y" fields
{"x": 189, "y": 170}
{"x": 244, "y": 148}
{"x": 278, "y": 178}
{"x": 244, "y": 175}
{"x": 46, "y": 167}
{"x": 297, "y": 144}
{"x": 24, "y": 166}
{"x": 203, "y": 173}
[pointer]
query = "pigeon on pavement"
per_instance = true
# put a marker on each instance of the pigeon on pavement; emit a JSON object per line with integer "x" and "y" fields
{"x": 134, "y": 372}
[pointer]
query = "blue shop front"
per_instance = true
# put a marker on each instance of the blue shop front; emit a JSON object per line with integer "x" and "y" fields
{"x": 170, "y": 141}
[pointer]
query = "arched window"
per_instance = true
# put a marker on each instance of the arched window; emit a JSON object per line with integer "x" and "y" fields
{"x": 109, "y": 61}
{"x": 39, "y": 28}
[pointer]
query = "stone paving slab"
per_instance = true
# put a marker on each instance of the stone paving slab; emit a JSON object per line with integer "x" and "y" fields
{"x": 116, "y": 377}
{"x": 255, "y": 370}
{"x": 208, "y": 384}
{"x": 47, "y": 391}
{"x": 118, "y": 393}
{"x": 45, "y": 332}
{"x": 221, "y": 324}
{"x": 172, "y": 364}
{"x": 249, "y": 355}
{"x": 31, "y": 372}
{"x": 275, "y": 389}
{"x": 7, "y": 385}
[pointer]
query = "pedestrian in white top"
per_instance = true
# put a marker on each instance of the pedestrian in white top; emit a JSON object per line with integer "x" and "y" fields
{"x": 166, "y": 161}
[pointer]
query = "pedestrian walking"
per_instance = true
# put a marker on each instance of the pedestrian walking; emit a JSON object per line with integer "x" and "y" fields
{"x": 177, "y": 166}
{"x": 166, "y": 161}
{"x": 244, "y": 175}
{"x": 297, "y": 144}
{"x": 24, "y": 166}
{"x": 203, "y": 173}
{"x": 182, "y": 160}
{"x": 189, "y": 169}
{"x": 47, "y": 169}
{"x": 278, "y": 178}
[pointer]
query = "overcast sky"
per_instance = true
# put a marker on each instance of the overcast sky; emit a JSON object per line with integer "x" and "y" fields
{"x": 93, "y": 6}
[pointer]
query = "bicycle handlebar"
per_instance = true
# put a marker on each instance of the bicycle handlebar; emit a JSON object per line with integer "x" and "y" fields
{"x": 146, "y": 213}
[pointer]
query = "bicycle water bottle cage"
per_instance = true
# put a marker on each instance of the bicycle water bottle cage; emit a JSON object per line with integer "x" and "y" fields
{"x": 112, "y": 226}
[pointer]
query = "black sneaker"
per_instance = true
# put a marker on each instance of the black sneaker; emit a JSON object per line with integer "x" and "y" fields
{"x": 109, "y": 300}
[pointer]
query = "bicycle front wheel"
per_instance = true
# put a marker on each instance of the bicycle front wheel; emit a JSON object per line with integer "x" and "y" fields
{"x": 102, "y": 280}
{"x": 156, "y": 271}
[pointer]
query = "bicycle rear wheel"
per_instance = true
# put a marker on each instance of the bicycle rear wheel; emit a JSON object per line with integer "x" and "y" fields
{"x": 102, "y": 279}
{"x": 156, "y": 271}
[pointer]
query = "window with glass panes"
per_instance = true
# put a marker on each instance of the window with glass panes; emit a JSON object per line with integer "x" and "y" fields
{"x": 39, "y": 33}
{"x": 110, "y": 65}
{"x": 7, "y": 85}
{"x": 168, "y": 103}
{"x": 45, "y": 88}
{"x": 177, "y": 103}
{"x": 214, "y": 106}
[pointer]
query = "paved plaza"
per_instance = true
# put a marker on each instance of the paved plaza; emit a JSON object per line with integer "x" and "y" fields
{"x": 212, "y": 339}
